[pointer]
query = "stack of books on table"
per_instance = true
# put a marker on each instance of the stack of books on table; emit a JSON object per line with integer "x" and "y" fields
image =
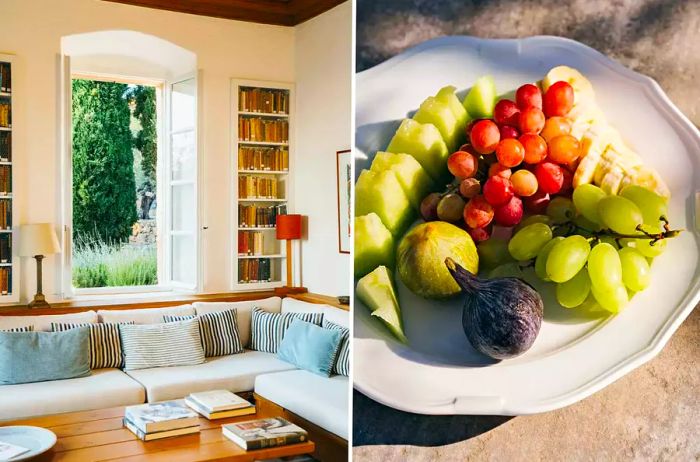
{"x": 219, "y": 404}
{"x": 264, "y": 433}
{"x": 160, "y": 420}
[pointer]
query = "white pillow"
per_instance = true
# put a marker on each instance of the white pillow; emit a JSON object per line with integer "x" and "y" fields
{"x": 330, "y": 313}
{"x": 43, "y": 323}
{"x": 161, "y": 345}
{"x": 243, "y": 309}
{"x": 144, "y": 315}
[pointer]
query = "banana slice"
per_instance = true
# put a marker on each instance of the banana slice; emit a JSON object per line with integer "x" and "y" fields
{"x": 583, "y": 90}
{"x": 594, "y": 142}
{"x": 649, "y": 178}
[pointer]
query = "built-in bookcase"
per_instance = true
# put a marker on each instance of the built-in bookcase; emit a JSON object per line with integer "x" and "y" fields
{"x": 262, "y": 147}
{"x": 9, "y": 261}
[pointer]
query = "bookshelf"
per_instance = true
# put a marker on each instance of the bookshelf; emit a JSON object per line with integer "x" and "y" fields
{"x": 261, "y": 150}
{"x": 9, "y": 261}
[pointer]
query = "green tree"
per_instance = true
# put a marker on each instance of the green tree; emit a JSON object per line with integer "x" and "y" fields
{"x": 146, "y": 140}
{"x": 104, "y": 196}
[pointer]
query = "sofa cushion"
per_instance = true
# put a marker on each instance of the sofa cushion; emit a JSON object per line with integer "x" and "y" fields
{"x": 105, "y": 344}
{"x": 310, "y": 347}
{"x": 219, "y": 332}
{"x": 144, "y": 315}
{"x": 43, "y": 323}
{"x": 102, "y": 389}
{"x": 161, "y": 345}
{"x": 243, "y": 311}
{"x": 267, "y": 329}
{"x": 342, "y": 361}
{"x": 320, "y": 400}
{"x": 19, "y": 329}
{"x": 235, "y": 373}
{"x": 330, "y": 313}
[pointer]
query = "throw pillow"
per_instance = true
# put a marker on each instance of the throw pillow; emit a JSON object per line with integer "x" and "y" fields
{"x": 342, "y": 362}
{"x": 310, "y": 347}
{"x": 219, "y": 332}
{"x": 161, "y": 345}
{"x": 19, "y": 329}
{"x": 105, "y": 344}
{"x": 40, "y": 356}
{"x": 268, "y": 329}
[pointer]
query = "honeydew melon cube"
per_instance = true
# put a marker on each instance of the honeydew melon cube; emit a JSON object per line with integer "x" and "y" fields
{"x": 448, "y": 96}
{"x": 381, "y": 193}
{"x": 481, "y": 99}
{"x": 425, "y": 144}
{"x": 415, "y": 181}
{"x": 377, "y": 292}
{"x": 374, "y": 244}
{"x": 438, "y": 113}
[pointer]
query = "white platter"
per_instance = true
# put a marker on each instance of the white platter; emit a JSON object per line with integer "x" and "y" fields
{"x": 439, "y": 372}
{"x": 38, "y": 440}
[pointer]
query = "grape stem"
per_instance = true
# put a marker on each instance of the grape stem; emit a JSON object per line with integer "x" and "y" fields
{"x": 667, "y": 232}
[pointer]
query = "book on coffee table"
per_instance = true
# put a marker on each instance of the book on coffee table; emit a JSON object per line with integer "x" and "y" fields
{"x": 160, "y": 417}
{"x": 158, "y": 435}
{"x": 219, "y": 404}
{"x": 264, "y": 433}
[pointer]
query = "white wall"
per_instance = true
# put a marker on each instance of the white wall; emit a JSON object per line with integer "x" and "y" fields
{"x": 324, "y": 102}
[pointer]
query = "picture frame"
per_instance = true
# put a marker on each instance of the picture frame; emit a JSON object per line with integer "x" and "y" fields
{"x": 343, "y": 188}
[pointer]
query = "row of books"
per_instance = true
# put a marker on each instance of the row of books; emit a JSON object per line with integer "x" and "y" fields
{"x": 5, "y": 281}
{"x": 5, "y": 78}
{"x": 262, "y": 100}
{"x": 5, "y": 214}
{"x": 254, "y": 270}
{"x": 255, "y": 216}
{"x": 5, "y": 118}
{"x": 5, "y": 248}
{"x": 5, "y": 179}
{"x": 257, "y": 187}
{"x": 5, "y": 146}
{"x": 262, "y": 158}
{"x": 251, "y": 243}
{"x": 266, "y": 130}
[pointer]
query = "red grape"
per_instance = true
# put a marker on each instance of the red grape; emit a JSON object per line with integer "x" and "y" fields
{"x": 537, "y": 203}
{"x": 478, "y": 213}
{"x": 558, "y": 100}
{"x": 524, "y": 183}
{"x": 462, "y": 164}
{"x": 531, "y": 120}
{"x": 428, "y": 207}
{"x": 506, "y": 112}
{"x": 479, "y": 234}
{"x": 567, "y": 185}
{"x": 485, "y": 136}
{"x": 535, "y": 148}
{"x": 510, "y": 152}
{"x": 469, "y": 188}
{"x": 528, "y": 95}
{"x": 555, "y": 126}
{"x": 497, "y": 169}
{"x": 498, "y": 190}
{"x": 550, "y": 177}
{"x": 509, "y": 214}
{"x": 564, "y": 149}
{"x": 508, "y": 132}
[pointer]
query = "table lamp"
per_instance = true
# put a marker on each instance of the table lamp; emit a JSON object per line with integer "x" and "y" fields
{"x": 38, "y": 240}
{"x": 289, "y": 228}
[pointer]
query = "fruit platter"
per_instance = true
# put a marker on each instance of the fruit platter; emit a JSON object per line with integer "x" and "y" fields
{"x": 525, "y": 225}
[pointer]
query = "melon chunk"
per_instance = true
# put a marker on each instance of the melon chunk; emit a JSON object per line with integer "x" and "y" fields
{"x": 438, "y": 113}
{"x": 376, "y": 291}
{"x": 481, "y": 99}
{"x": 381, "y": 193}
{"x": 448, "y": 96}
{"x": 416, "y": 183}
{"x": 374, "y": 244}
{"x": 425, "y": 144}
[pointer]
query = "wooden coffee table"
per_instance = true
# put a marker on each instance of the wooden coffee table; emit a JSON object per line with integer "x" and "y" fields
{"x": 99, "y": 435}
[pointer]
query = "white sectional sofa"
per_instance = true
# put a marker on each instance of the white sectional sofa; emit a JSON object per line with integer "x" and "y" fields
{"x": 319, "y": 400}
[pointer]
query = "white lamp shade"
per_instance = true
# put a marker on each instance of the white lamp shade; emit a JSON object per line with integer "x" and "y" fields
{"x": 38, "y": 239}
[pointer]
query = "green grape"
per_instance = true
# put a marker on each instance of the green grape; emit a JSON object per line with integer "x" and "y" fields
{"x": 609, "y": 240}
{"x": 508, "y": 270}
{"x": 532, "y": 219}
{"x": 650, "y": 204}
{"x": 585, "y": 223}
{"x": 561, "y": 210}
{"x": 586, "y": 198}
{"x": 567, "y": 257}
{"x": 590, "y": 305}
{"x": 493, "y": 252}
{"x": 604, "y": 267}
{"x": 526, "y": 243}
{"x": 541, "y": 261}
{"x": 620, "y": 214}
{"x": 612, "y": 299}
{"x": 574, "y": 292}
{"x": 635, "y": 270}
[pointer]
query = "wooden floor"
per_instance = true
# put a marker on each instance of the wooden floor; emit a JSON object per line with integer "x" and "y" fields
{"x": 99, "y": 436}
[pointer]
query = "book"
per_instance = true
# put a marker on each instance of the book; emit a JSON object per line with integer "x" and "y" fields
{"x": 220, "y": 414}
{"x": 219, "y": 400}
{"x": 158, "y": 417}
{"x": 264, "y": 433}
{"x": 9, "y": 450}
{"x": 158, "y": 435}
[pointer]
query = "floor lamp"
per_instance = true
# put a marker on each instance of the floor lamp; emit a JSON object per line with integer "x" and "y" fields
{"x": 289, "y": 229}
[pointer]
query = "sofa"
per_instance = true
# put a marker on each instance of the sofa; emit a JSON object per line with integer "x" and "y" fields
{"x": 319, "y": 400}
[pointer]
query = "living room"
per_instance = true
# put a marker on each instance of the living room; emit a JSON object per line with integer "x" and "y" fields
{"x": 175, "y": 204}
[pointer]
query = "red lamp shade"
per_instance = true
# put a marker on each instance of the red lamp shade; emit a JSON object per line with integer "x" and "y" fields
{"x": 288, "y": 227}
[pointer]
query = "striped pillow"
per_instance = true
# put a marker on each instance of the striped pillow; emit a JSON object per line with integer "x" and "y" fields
{"x": 105, "y": 345}
{"x": 342, "y": 361}
{"x": 219, "y": 332}
{"x": 19, "y": 329}
{"x": 267, "y": 330}
{"x": 161, "y": 345}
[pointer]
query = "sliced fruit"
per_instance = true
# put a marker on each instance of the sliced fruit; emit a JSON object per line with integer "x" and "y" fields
{"x": 481, "y": 99}
{"x": 583, "y": 90}
{"x": 374, "y": 244}
{"x": 415, "y": 181}
{"x": 376, "y": 291}
{"x": 438, "y": 113}
{"x": 447, "y": 95}
{"x": 425, "y": 144}
{"x": 594, "y": 142}
{"x": 381, "y": 193}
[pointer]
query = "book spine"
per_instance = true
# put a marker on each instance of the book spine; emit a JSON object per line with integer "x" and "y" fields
{"x": 279, "y": 441}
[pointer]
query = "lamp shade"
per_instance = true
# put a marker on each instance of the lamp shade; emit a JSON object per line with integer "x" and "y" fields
{"x": 289, "y": 227}
{"x": 38, "y": 239}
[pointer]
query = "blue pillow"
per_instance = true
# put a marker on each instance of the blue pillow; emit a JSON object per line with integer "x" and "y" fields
{"x": 40, "y": 356}
{"x": 310, "y": 347}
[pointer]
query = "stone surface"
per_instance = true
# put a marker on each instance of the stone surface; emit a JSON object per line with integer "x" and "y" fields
{"x": 653, "y": 413}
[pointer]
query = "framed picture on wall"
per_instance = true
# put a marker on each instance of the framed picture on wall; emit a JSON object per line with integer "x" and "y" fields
{"x": 344, "y": 177}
